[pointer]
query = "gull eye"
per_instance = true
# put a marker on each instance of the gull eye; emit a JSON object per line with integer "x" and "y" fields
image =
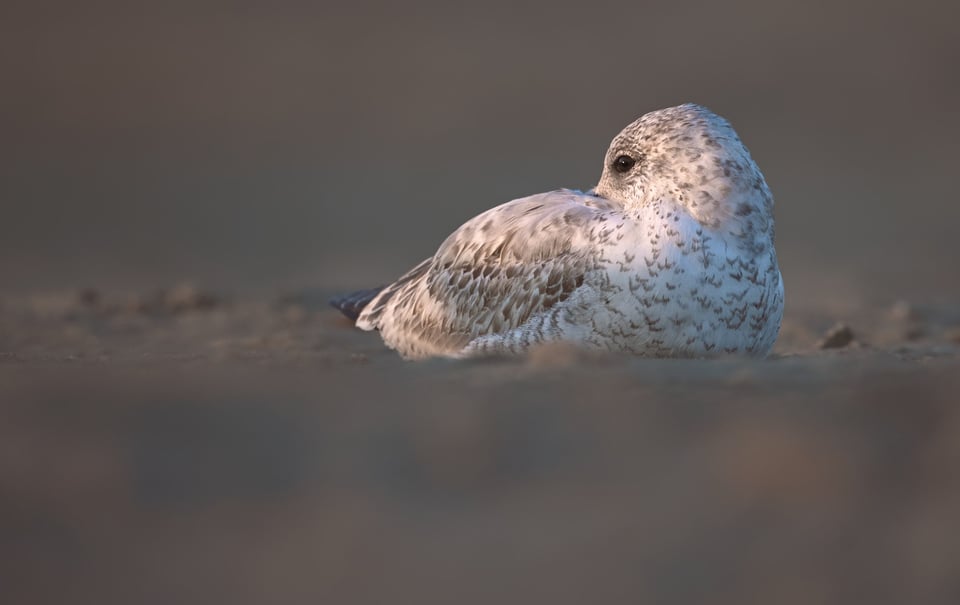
{"x": 623, "y": 163}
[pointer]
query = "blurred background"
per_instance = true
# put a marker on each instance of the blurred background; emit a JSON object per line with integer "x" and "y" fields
{"x": 235, "y": 441}
{"x": 251, "y": 145}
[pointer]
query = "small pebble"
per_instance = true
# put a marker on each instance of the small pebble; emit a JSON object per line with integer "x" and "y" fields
{"x": 837, "y": 337}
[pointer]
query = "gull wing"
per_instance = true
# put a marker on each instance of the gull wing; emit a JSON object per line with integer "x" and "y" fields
{"x": 491, "y": 275}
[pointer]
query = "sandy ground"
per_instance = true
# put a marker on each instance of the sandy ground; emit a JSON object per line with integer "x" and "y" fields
{"x": 185, "y": 447}
{"x": 189, "y": 446}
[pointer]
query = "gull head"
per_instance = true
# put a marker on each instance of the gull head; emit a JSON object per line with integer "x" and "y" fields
{"x": 690, "y": 157}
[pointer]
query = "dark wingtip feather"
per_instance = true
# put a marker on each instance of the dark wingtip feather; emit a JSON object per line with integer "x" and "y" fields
{"x": 353, "y": 304}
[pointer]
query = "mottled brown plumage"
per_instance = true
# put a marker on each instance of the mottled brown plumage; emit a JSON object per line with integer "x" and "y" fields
{"x": 671, "y": 256}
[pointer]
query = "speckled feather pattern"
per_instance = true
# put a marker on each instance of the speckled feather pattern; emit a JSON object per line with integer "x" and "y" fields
{"x": 673, "y": 258}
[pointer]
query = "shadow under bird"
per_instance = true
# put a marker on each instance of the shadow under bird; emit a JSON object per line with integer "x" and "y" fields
{"x": 671, "y": 255}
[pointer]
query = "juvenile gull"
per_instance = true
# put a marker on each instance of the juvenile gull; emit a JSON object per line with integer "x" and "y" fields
{"x": 671, "y": 255}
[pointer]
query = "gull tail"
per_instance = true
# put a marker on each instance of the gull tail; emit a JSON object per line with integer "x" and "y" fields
{"x": 353, "y": 304}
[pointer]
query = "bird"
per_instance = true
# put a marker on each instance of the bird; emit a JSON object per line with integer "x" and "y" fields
{"x": 670, "y": 255}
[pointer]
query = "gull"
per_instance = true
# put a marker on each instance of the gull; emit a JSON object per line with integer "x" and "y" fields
{"x": 670, "y": 255}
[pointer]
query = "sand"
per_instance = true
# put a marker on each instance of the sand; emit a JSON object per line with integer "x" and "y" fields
{"x": 183, "y": 446}
{"x": 209, "y": 445}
